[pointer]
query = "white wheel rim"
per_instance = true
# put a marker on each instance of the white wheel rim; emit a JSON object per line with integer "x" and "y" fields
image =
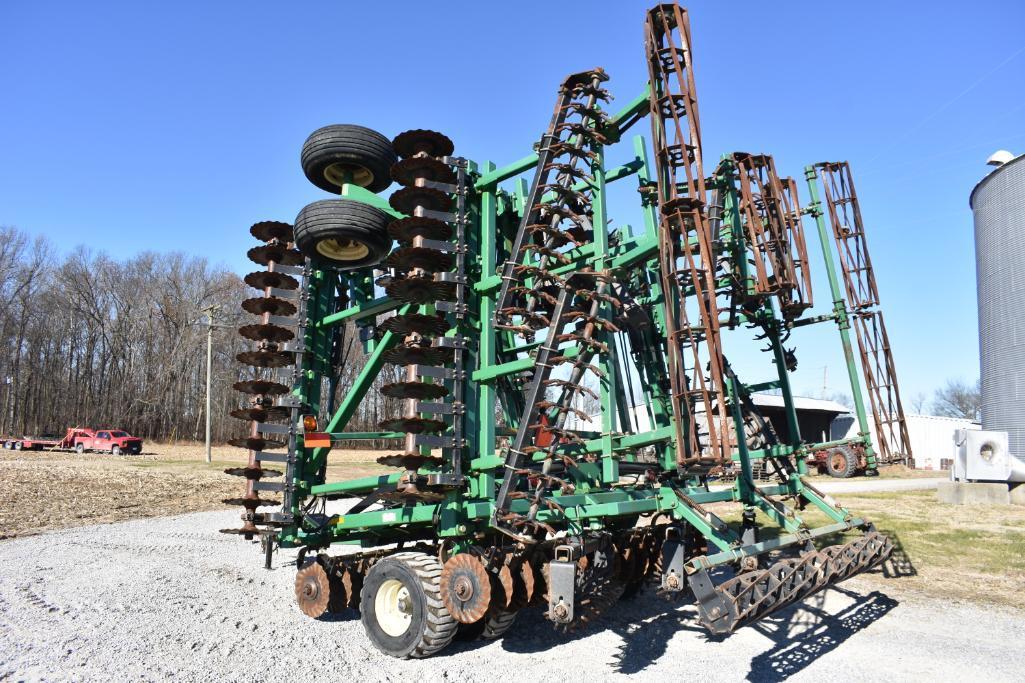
{"x": 393, "y": 607}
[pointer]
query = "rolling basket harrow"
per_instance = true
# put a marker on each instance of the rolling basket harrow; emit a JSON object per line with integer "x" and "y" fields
{"x": 509, "y": 306}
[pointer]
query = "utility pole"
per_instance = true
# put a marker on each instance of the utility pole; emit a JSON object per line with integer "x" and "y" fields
{"x": 209, "y": 370}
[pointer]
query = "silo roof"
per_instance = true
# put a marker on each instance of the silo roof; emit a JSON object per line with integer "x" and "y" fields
{"x": 971, "y": 197}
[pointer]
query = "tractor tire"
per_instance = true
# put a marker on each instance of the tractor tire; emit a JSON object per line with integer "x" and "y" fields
{"x": 80, "y": 448}
{"x": 841, "y": 462}
{"x": 115, "y": 450}
{"x": 18, "y": 445}
{"x": 343, "y": 233}
{"x": 401, "y": 606}
{"x": 335, "y": 155}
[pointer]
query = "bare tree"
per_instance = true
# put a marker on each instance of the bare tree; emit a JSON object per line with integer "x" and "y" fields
{"x": 920, "y": 403}
{"x": 958, "y": 399}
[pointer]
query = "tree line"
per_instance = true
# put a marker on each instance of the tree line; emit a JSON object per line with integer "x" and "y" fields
{"x": 89, "y": 340}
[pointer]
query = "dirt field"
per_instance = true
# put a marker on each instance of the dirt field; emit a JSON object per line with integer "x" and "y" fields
{"x": 41, "y": 491}
{"x": 971, "y": 553}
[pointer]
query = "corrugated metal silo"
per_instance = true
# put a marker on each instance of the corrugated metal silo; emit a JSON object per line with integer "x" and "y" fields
{"x": 998, "y": 203}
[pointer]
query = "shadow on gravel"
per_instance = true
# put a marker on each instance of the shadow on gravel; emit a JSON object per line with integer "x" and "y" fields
{"x": 802, "y": 633}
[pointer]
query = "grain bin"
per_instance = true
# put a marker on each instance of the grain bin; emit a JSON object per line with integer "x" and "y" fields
{"x": 998, "y": 204}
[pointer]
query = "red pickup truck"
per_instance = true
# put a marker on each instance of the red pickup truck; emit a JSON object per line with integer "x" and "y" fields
{"x": 80, "y": 439}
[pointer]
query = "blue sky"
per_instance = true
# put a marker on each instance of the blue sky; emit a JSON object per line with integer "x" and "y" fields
{"x": 175, "y": 125}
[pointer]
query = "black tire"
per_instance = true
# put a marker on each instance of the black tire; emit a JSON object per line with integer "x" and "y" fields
{"x": 115, "y": 450}
{"x": 332, "y": 152}
{"x": 80, "y": 448}
{"x": 496, "y": 623}
{"x": 841, "y": 462}
{"x": 343, "y": 233}
{"x": 430, "y": 626}
{"x": 18, "y": 445}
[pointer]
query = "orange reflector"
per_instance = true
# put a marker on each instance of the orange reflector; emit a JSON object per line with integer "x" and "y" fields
{"x": 316, "y": 440}
{"x": 309, "y": 423}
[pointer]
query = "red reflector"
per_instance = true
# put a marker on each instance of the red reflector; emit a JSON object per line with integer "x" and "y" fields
{"x": 317, "y": 440}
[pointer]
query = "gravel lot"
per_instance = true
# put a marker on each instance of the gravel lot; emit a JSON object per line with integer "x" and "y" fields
{"x": 171, "y": 598}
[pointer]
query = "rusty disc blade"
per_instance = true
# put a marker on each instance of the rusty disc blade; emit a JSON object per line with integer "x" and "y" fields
{"x": 256, "y": 443}
{"x": 523, "y": 585}
{"x": 312, "y": 589}
{"x": 503, "y": 581}
{"x": 262, "y": 279}
{"x": 431, "y": 325}
{"x": 268, "y": 304}
{"x": 251, "y": 472}
{"x": 540, "y": 585}
{"x": 251, "y": 503}
{"x": 413, "y": 425}
{"x": 410, "y": 461}
{"x": 266, "y": 332}
{"x": 419, "y": 141}
{"x": 465, "y": 588}
{"x": 275, "y": 253}
{"x": 417, "y": 355}
{"x": 260, "y": 386}
{"x": 405, "y": 229}
{"x": 408, "y": 199}
{"x": 352, "y": 583}
{"x": 407, "y": 171}
{"x": 265, "y": 231}
{"x": 269, "y": 413}
{"x": 405, "y": 258}
{"x": 420, "y": 290}
{"x": 266, "y": 359}
{"x": 418, "y": 390}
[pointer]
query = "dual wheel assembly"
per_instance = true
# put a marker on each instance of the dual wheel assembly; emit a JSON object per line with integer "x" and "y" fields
{"x": 411, "y": 605}
{"x": 343, "y": 233}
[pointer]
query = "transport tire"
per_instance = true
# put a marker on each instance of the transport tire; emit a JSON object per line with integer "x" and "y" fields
{"x": 80, "y": 448}
{"x": 341, "y": 153}
{"x": 18, "y": 445}
{"x": 401, "y": 606}
{"x": 343, "y": 233}
{"x": 841, "y": 462}
{"x": 115, "y": 450}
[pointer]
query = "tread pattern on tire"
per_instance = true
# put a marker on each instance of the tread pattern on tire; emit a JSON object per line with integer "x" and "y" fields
{"x": 322, "y": 219}
{"x": 440, "y": 627}
{"x": 850, "y": 463}
{"x": 497, "y": 623}
{"x": 347, "y": 143}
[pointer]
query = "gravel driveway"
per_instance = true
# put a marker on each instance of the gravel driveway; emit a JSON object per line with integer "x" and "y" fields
{"x": 171, "y": 598}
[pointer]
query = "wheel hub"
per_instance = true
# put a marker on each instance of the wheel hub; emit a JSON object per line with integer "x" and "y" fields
{"x": 393, "y": 607}
{"x": 345, "y": 174}
{"x": 342, "y": 249}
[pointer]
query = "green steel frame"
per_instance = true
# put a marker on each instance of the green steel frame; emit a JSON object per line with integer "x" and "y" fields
{"x": 600, "y": 500}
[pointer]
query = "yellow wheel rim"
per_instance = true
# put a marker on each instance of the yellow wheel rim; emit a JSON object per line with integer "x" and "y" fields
{"x": 341, "y": 174}
{"x": 342, "y": 249}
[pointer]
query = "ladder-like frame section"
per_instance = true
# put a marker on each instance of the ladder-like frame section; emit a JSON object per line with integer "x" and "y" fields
{"x": 877, "y": 364}
{"x": 686, "y": 249}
